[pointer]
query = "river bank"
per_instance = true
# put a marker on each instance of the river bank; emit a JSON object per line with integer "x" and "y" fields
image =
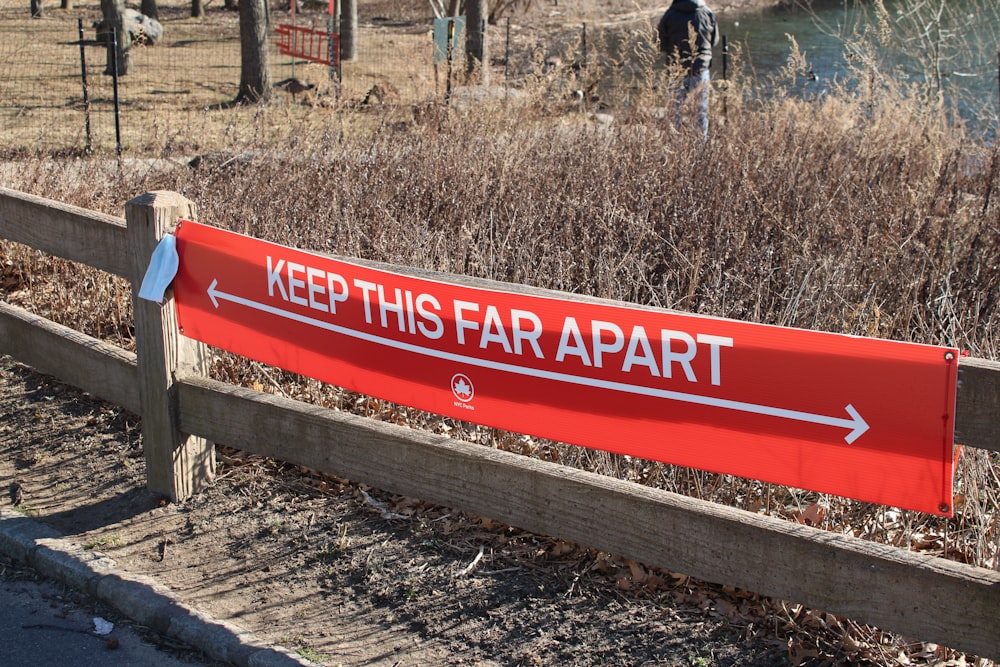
{"x": 614, "y": 10}
{"x": 739, "y": 6}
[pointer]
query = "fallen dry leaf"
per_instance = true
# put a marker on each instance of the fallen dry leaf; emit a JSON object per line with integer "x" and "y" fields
{"x": 813, "y": 515}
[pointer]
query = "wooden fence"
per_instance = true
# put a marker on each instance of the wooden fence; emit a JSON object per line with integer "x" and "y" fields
{"x": 916, "y": 595}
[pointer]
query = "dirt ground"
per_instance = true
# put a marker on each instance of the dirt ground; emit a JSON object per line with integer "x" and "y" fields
{"x": 347, "y": 575}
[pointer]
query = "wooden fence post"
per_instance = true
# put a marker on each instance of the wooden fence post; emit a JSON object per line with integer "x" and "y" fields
{"x": 177, "y": 464}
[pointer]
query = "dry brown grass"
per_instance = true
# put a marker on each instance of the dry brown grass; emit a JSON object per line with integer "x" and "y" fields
{"x": 177, "y": 95}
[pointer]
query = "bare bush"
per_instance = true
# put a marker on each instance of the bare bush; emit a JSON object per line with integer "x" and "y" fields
{"x": 863, "y": 212}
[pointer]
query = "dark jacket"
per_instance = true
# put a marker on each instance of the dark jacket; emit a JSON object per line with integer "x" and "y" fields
{"x": 674, "y": 35}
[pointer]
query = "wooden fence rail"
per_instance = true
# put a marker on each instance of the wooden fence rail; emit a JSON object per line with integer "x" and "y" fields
{"x": 920, "y": 596}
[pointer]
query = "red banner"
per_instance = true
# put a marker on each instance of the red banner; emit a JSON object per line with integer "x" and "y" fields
{"x": 858, "y": 417}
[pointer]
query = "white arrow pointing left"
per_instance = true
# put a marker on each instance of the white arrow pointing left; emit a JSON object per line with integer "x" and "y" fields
{"x": 854, "y": 422}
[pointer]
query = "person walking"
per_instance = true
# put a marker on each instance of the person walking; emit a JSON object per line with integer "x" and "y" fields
{"x": 688, "y": 31}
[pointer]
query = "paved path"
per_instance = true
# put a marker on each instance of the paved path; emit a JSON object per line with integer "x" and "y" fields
{"x": 43, "y": 624}
{"x": 34, "y": 547}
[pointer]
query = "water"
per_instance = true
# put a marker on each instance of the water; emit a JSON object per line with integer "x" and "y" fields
{"x": 958, "y": 56}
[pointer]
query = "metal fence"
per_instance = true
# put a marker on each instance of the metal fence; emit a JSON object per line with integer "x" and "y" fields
{"x": 57, "y": 90}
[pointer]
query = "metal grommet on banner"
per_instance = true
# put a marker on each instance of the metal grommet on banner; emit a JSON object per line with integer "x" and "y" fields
{"x": 949, "y": 356}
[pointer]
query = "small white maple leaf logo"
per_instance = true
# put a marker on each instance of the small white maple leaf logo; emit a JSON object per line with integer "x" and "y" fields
{"x": 461, "y": 386}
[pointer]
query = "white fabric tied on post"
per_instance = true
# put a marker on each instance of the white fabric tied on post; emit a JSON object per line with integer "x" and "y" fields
{"x": 161, "y": 271}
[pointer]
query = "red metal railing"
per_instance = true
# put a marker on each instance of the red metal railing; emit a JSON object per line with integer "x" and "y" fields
{"x": 309, "y": 44}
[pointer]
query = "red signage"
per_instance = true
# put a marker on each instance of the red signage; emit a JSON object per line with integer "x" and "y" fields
{"x": 863, "y": 418}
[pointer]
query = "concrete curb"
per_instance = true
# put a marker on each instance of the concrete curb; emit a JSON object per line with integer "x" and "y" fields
{"x": 138, "y": 597}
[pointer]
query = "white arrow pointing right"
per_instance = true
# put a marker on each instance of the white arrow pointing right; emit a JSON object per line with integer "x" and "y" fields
{"x": 854, "y": 422}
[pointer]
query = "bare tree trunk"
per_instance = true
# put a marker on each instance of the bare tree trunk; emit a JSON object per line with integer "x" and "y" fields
{"x": 36, "y": 9}
{"x": 475, "y": 41}
{"x": 231, "y": 5}
{"x": 255, "y": 69}
{"x": 348, "y": 29}
{"x": 112, "y": 11}
{"x": 67, "y": 4}
{"x": 149, "y": 8}
{"x": 453, "y": 6}
{"x": 197, "y": 9}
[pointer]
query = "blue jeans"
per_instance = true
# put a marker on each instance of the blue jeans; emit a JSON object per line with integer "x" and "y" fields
{"x": 698, "y": 86}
